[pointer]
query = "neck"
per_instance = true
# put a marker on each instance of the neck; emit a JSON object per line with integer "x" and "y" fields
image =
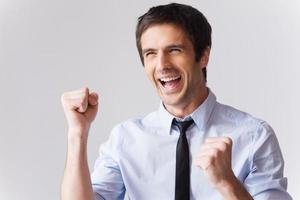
{"x": 185, "y": 109}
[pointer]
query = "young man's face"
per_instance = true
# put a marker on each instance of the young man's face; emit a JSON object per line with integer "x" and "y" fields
{"x": 169, "y": 60}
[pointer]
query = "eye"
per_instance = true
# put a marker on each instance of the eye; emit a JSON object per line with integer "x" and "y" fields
{"x": 149, "y": 53}
{"x": 175, "y": 50}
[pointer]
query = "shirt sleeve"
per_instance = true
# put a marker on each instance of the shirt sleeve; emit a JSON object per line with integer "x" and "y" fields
{"x": 106, "y": 178}
{"x": 265, "y": 180}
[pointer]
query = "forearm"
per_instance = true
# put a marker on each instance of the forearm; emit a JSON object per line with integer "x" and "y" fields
{"x": 76, "y": 184}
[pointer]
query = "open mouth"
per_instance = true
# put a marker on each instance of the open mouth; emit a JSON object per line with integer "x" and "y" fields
{"x": 170, "y": 82}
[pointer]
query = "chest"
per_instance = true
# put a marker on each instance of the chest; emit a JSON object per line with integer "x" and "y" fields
{"x": 147, "y": 162}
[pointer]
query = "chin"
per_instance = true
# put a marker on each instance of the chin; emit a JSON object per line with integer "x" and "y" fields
{"x": 171, "y": 100}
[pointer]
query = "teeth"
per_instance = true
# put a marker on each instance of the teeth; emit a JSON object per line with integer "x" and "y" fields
{"x": 167, "y": 79}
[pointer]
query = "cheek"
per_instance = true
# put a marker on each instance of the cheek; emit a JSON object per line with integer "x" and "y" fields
{"x": 150, "y": 73}
{"x": 193, "y": 74}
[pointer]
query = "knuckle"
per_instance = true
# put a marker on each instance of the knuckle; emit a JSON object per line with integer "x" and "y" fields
{"x": 223, "y": 147}
{"x": 209, "y": 161}
{"x": 215, "y": 153}
{"x": 85, "y": 90}
{"x": 228, "y": 140}
{"x": 208, "y": 140}
{"x": 64, "y": 97}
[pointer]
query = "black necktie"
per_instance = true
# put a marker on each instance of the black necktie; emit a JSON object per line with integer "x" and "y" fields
{"x": 182, "y": 182}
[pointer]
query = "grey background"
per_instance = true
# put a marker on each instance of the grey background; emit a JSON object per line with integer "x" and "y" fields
{"x": 48, "y": 47}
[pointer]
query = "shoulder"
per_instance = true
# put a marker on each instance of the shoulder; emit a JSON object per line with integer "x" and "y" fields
{"x": 235, "y": 117}
{"x": 248, "y": 131}
{"x": 150, "y": 119}
{"x": 241, "y": 124}
{"x": 136, "y": 123}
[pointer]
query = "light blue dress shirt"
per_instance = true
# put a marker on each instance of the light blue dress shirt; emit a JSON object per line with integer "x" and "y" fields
{"x": 139, "y": 156}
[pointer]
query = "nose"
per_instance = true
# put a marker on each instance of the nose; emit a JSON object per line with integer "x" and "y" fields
{"x": 163, "y": 61}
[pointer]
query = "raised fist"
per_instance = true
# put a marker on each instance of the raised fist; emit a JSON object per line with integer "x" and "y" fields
{"x": 80, "y": 107}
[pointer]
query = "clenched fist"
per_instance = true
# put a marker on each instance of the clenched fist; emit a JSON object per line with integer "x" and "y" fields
{"x": 80, "y": 107}
{"x": 215, "y": 159}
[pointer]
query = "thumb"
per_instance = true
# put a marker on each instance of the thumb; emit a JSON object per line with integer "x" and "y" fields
{"x": 93, "y": 99}
{"x": 92, "y": 108}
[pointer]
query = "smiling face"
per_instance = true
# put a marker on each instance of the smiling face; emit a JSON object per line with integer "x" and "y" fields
{"x": 170, "y": 64}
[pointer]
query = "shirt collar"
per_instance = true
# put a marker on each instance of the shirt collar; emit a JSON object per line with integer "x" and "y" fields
{"x": 200, "y": 116}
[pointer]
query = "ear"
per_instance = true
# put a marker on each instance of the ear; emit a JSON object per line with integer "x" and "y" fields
{"x": 205, "y": 57}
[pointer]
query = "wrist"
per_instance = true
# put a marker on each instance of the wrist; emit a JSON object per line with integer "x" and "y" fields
{"x": 77, "y": 149}
{"x": 77, "y": 139}
{"x": 227, "y": 188}
{"x": 77, "y": 134}
{"x": 232, "y": 189}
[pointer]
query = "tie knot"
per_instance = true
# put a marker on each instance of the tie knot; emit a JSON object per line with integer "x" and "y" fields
{"x": 184, "y": 125}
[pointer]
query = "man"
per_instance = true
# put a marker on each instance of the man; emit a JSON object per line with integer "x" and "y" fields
{"x": 191, "y": 148}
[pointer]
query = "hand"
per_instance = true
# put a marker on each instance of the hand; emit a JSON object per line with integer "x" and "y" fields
{"x": 215, "y": 159}
{"x": 80, "y": 107}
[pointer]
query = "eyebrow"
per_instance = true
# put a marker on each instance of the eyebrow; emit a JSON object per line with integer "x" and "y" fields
{"x": 181, "y": 46}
